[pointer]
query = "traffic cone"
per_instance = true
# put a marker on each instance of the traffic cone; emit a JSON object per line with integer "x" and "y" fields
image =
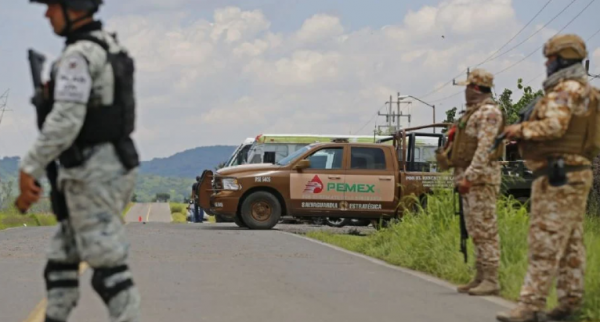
{"x": 139, "y": 218}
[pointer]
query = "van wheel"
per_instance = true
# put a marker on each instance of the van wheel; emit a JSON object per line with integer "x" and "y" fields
{"x": 261, "y": 210}
{"x": 239, "y": 222}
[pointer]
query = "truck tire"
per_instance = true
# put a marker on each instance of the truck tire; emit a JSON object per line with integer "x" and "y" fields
{"x": 337, "y": 222}
{"x": 261, "y": 210}
{"x": 361, "y": 222}
{"x": 239, "y": 222}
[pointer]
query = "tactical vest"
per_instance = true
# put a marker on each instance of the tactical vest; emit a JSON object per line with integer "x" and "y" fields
{"x": 103, "y": 124}
{"x": 582, "y": 137}
{"x": 464, "y": 146}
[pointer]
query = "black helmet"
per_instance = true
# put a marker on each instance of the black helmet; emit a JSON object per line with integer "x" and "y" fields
{"x": 198, "y": 178}
{"x": 80, "y": 5}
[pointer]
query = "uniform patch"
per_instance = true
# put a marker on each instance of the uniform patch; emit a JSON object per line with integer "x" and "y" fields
{"x": 73, "y": 80}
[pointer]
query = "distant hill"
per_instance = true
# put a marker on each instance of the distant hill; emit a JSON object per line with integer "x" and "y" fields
{"x": 174, "y": 175}
{"x": 189, "y": 163}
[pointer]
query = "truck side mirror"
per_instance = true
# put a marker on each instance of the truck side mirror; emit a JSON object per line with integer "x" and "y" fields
{"x": 302, "y": 164}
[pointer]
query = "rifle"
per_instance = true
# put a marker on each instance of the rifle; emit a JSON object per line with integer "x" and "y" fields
{"x": 524, "y": 115}
{"x": 43, "y": 107}
{"x": 464, "y": 234}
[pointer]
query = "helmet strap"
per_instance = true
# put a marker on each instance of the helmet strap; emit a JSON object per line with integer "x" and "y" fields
{"x": 70, "y": 23}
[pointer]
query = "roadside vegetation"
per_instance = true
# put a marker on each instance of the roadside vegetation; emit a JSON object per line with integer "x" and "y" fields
{"x": 179, "y": 213}
{"x": 428, "y": 241}
{"x": 39, "y": 215}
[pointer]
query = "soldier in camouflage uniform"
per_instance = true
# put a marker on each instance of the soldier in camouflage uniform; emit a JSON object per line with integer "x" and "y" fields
{"x": 98, "y": 180}
{"x": 477, "y": 176}
{"x": 557, "y": 130}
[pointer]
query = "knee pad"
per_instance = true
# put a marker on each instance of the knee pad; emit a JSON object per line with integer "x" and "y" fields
{"x": 99, "y": 282}
{"x": 56, "y": 267}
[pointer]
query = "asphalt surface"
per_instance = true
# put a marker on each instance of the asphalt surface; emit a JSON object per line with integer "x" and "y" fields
{"x": 218, "y": 272}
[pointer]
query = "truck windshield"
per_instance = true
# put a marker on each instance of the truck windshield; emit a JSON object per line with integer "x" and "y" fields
{"x": 291, "y": 157}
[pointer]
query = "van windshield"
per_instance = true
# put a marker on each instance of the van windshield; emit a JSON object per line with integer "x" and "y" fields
{"x": 291, "y": 157}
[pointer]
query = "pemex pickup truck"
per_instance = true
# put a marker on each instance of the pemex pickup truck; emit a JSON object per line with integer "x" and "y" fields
{"x": 337, "y": 179}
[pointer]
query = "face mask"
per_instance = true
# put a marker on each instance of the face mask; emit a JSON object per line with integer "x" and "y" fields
{"x": 472, "y": 96}
{"x": 553, "y": 67}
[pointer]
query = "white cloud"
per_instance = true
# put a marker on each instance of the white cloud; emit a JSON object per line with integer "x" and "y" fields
{"x": 220, "y": 80}
{"x": 320, "y": 27}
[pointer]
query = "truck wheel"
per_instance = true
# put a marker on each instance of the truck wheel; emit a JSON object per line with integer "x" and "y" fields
{"x": 261, "y": 210}
{"x": 361, "y": 222}
{"x": 239, "y": 222}
{"x": 337, "y": 222}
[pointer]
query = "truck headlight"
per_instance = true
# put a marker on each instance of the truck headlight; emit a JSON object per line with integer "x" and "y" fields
{"x": 231, "y": 184}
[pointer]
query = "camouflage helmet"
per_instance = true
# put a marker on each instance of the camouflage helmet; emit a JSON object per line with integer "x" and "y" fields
{"x": 80, "y": 5}
{"x": 567, "y": 46}
{"x": 479, "y": 77}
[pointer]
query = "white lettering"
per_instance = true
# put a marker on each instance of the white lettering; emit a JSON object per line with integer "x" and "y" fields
{"x": 330, "y": 205}
{"x": 365, "y": 206}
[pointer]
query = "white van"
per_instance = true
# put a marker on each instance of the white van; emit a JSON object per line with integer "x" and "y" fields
{"x": 270, "y": 148}
{"x": 240, "y": 155}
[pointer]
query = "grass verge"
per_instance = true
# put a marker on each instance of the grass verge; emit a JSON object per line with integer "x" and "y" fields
{"x": 11, "y": 217}
{"x": 429, "y": 242}
{"x": 179, "y": 213}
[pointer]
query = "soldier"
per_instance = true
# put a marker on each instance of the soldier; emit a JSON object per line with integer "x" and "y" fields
{"x": 477, "y": 177}
{"x": 198, "y": 213}
{"x": 558, "y": 140}
{"x": 90, "y": 106}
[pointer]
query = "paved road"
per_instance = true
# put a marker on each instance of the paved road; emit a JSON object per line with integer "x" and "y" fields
{"x": 149, "y": 212}
{"x": 219, "y": 273}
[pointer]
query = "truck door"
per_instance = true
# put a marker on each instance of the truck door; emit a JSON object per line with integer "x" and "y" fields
{"x": 370, "y": 181}
{"x": 319, "y": 188}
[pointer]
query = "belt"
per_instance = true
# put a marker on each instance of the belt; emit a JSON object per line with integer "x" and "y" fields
{"x": 568, "y": 168}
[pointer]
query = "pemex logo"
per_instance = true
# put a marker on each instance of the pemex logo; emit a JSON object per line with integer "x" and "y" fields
{"x": 314, "y": 186}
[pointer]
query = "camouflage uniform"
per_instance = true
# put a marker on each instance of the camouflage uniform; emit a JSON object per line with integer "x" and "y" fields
{"x": 96, "y": 192}
{"x": 557, "y": 213}
{"x": 479, "y": 204}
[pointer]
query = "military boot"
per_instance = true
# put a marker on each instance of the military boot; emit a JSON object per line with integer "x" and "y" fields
{"x": 521, "y": 314}
{"x": 562, "y": 314}
{"x": 476, "y": 281}
{"x": 489, "y": 284}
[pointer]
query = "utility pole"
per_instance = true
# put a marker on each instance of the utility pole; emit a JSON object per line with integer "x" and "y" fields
{"x": 393, "y": 117}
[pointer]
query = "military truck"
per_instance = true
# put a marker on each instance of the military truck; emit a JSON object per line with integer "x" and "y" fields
{"x": 338, "y": 179}
{"x": 516, "y": 178}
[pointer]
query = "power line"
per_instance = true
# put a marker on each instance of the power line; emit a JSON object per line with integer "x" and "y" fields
{"x": 530, "y": 36}
{"x": 542, "y": 46}
{"x": 371, "y": 120}
{"x": 592, "y": 36}
{"x": 505, "y": 44}
{"x": 533, "y": 34}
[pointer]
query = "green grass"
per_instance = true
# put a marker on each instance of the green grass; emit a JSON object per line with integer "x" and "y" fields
{"x": 10, "y": 217}
{"x": 429, "y": 242}
{"x": 179, "y": 213}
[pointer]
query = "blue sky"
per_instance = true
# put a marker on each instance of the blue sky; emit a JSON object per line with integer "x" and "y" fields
{"x": 215, "y": 72}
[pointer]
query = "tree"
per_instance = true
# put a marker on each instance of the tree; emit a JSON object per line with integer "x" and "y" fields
{"x": 512, "y": 109}
{"x": 450, "y": 117}
{"x": 134, "y": 197}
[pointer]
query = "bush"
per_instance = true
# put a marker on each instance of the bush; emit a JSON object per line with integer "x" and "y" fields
{"x": 177, "y": 207}
{"x": 429, "y": 241}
